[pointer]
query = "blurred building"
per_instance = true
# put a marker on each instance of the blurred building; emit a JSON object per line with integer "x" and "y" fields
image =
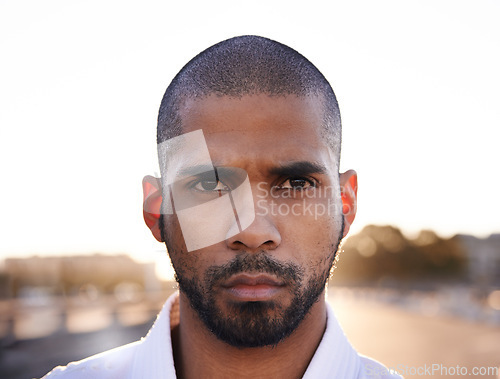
{"x": 384, "y": 256}
{"x": 68, "y": 274}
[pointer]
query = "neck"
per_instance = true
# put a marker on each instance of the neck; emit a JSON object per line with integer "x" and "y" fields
{"x": 198, "y": 353}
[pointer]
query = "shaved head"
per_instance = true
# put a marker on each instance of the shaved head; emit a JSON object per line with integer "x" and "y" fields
{"x": 248, "y": 65}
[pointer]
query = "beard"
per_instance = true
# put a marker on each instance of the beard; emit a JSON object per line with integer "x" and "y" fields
{"x": 254, "y": 323}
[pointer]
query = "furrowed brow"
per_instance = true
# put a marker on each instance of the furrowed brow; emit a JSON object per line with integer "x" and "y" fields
{"x": 301, "y": 168}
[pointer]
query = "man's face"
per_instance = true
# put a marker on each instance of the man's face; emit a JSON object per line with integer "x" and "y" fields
{"x": 254, "y": 288}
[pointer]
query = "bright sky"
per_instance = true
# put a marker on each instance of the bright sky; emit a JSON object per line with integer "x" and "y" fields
{"x": 81, "y": 81}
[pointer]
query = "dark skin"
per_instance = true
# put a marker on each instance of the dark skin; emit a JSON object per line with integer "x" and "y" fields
{"x": 262, "y": 135}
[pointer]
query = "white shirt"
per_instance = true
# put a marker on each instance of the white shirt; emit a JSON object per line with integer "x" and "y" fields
{"x": 152, "y": 357}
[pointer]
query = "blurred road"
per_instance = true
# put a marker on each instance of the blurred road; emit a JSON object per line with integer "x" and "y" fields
{"x": 409, "y": 341}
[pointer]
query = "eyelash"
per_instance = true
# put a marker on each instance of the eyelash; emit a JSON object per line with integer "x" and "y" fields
{"x": 312, "y": 183}
{"x": 193, "y": 185}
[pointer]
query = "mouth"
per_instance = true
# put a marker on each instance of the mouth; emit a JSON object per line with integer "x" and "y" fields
{"x": 245, "y": 287}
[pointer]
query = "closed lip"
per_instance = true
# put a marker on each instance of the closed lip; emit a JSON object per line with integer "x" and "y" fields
{"x": 252, "y": 280}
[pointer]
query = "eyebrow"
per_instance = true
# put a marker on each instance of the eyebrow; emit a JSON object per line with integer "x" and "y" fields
{"x": 195, "y": 170}
{"x": 300, "y": 168}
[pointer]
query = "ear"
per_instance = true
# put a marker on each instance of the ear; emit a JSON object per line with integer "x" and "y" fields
{"x": 349, "y": 192}
{"x": 151, "y": 188}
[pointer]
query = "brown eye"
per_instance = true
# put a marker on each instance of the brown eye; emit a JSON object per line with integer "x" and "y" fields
{"x": 297, "y": 183}
{"x": 210, "y": 185}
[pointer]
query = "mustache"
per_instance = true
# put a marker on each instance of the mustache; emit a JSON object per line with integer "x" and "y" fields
{"x": 257, "y": 263}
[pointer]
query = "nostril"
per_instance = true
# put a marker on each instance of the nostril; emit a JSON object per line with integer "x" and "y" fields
{"x": 262, "y": 233}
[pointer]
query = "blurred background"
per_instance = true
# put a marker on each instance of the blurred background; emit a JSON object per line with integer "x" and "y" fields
{"x": 418, "y": 282}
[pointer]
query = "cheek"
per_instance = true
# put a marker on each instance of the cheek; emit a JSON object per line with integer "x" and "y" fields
{"x": 313, "y": 238}
{"x": 314, "y": 222}
{"x": 173, "y": 234}
{"x": 185, "y": 263}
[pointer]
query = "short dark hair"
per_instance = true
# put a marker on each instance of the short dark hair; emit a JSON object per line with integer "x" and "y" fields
{"x": 248, "y": 65}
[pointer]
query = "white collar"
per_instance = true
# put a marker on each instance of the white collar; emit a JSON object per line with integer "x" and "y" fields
{"x": 154, "y": 357}
{"x": 334, "y": 357}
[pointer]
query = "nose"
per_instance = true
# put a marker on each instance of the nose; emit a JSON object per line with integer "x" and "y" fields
{"x": 261, "y": 234}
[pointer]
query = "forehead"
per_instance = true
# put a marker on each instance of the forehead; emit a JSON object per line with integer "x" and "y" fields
{"x": 258, "y": 127}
